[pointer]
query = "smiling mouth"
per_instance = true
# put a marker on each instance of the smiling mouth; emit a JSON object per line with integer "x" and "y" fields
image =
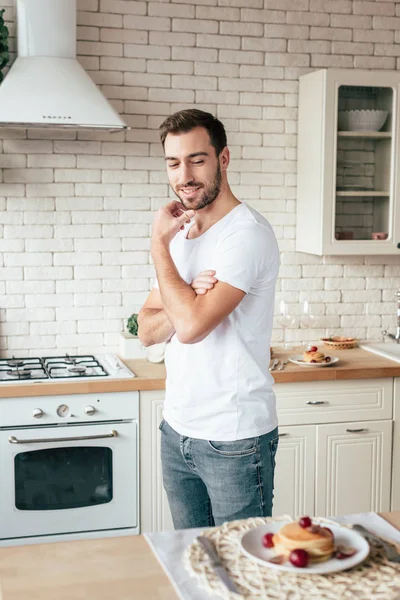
{"x": 189, "y": 191}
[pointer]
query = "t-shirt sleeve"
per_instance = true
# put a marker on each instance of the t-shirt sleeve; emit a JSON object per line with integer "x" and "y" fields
{"x": 243, "y": 256}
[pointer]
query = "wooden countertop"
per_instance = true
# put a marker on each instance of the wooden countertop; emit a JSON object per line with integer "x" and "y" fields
{"x": 123, "y": 568}
{"x": 353, "y": 364}
{"x": 149, "y": 376}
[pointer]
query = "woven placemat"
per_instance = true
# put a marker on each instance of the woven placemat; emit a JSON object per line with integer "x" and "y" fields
{"x": 374, "y": 579}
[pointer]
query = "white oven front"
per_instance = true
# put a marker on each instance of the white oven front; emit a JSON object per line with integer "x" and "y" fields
{"x": 67, "y": 479}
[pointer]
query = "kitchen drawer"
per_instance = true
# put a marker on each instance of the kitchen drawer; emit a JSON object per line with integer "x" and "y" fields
{"x": 334, "y": 401}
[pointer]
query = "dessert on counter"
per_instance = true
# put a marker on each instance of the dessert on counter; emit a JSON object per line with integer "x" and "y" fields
{"x": 316, "y": 540}
{"x": 313, "y": 355}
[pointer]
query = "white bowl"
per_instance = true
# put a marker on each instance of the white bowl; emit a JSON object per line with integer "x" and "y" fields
{"x": 361, "y": 120}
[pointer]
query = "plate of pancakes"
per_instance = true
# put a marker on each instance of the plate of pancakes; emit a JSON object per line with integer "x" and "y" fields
{"x": 313, "y": 357}
{"x": 323, "y": 548}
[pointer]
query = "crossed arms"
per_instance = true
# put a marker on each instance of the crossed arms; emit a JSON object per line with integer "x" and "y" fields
{"x": 180, "y": 308}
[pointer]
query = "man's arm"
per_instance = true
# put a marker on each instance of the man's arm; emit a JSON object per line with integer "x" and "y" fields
{"x": 154, "y": 324}
{"x": 192, "y": 316}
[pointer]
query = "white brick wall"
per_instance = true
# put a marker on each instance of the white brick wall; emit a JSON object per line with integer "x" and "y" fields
{"x": 76, "y": 207}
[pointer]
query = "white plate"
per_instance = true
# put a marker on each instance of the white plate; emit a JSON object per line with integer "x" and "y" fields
{"x": 251, "y": 544}
{"x": 299, "y": 360}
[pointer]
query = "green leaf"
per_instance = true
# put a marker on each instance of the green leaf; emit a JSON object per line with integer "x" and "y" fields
{"x": 132, "y": 324}
{"x": 1, "y": 76}
{"x": 3, "y": 32}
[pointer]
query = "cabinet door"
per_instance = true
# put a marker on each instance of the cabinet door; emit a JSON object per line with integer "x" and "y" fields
{"x": 294, "y": 472}
{"x": 353, "y": 467}
{"x": 395, "y": 504}
{"x": 347, "y": 188}
{"x": 154, "y": 514}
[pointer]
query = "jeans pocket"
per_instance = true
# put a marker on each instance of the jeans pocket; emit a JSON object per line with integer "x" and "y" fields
{"x": 244, "y": 447}
{"x": 161, "y": 425}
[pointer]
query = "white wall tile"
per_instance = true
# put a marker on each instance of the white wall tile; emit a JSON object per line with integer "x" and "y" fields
{"x": 76, "y": 207}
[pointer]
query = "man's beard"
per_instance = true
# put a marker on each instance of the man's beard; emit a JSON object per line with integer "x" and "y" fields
{"x": 207, "y": 194}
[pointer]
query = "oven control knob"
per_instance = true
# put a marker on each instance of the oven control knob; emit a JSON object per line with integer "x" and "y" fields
{"x": 37, "y": 413}
{"x": 90, "y": 410}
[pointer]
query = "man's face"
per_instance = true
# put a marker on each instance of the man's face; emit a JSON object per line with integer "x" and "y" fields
{"x": 193, "y": 168}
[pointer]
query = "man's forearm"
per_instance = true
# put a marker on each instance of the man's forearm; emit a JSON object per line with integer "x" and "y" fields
{"x": 154, "y": 326}
{"x": 179, "y": 298}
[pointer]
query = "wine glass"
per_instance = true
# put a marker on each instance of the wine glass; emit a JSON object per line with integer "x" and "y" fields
{"x": 307, "y": 320}
{"x": 285, "y": 320}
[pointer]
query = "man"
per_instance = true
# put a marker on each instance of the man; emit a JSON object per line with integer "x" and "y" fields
{"x": 219, "y": 434}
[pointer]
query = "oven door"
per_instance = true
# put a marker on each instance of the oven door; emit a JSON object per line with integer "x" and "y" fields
{"x": 68, "y": 479}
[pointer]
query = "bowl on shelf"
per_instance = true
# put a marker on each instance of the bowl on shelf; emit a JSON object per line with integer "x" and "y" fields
{"x": 361, "y": 120}
{"x": 379, "y": 235}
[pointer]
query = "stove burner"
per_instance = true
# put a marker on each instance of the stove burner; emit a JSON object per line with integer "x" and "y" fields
{"x": 17, "y": 374}
{"x": 76, "y": 369}
{"x": 15, "y": 362}
{"x": 69, "y": 360}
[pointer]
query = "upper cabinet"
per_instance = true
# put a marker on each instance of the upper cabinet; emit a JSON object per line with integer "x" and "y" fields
{"x": 348, "y": 201}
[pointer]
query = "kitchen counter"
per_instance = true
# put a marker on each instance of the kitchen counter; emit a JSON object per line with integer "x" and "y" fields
{"x": 149, "y": 376}
{"x": 353, "y": 364}
{"x": 122, "y": 567}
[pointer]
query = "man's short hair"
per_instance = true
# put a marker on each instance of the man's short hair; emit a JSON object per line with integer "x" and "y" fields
{"x": 186, "y": 120}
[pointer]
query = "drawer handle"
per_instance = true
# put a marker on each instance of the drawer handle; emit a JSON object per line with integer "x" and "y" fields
{"x": 315, "y": 402}
{"x": 282, "y": 434}
{"x": 356, "y": 430}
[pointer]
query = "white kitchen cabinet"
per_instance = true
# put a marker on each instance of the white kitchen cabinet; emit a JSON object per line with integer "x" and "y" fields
{"x": 154, "y": 509}
{"x": 395, "y": 505}
{"x": 334, "y": 401}
{"x": 295, "y": 471}
{"x": 353, "y": 467}
{"x": 347, "y": 183}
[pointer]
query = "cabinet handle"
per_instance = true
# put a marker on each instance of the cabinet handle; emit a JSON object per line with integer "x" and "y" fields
{"x": 282, "y": 434}
{"x": 315, "y": 402}
{"x": 356, "y": 430}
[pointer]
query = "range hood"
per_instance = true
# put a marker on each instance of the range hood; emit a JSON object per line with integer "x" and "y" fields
{"x": 46, "y": 86}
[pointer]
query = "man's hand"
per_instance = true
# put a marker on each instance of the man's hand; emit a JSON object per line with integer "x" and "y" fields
{"x": 168, "y": 221}
{"x": 203, "y": 282}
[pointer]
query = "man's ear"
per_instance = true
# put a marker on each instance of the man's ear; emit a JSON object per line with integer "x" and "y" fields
{"x": 224, "y": 158}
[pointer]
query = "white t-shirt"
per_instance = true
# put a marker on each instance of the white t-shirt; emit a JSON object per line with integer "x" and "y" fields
{"x": 220, "y": 388}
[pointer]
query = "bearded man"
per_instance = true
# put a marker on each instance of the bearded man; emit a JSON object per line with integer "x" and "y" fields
{"x": 217, "y": 262}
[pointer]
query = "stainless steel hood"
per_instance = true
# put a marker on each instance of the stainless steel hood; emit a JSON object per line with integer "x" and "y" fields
{"x": 46, "y": 86}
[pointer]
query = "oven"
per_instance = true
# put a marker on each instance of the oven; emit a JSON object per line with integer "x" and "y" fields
{"x": 68, "y": 467}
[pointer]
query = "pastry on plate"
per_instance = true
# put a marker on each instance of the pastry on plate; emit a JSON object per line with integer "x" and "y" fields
{"x": 313, "y": 355}
{"x": 317, "y": 541}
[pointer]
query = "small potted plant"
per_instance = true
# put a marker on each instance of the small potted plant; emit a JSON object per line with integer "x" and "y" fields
{"x": 130, "y": 344}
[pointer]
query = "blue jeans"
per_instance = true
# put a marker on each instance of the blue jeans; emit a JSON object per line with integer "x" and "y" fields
{"x": 209, "y": 482}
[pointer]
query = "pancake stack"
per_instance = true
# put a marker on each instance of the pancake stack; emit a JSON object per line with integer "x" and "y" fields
{"x": 314, "y": 356}
{"x": 317, "y": 541}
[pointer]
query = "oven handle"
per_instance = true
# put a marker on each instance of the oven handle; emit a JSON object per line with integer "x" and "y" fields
{"x": 13, "y": 440}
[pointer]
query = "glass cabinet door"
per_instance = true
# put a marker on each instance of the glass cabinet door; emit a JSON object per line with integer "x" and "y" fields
{"x": 364, "y": 159}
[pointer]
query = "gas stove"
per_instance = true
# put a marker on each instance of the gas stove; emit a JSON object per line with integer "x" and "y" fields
{"x": 62, "y": 368}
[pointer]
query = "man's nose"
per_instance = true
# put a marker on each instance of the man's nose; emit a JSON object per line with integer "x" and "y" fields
{"x": 185, "y": 175}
